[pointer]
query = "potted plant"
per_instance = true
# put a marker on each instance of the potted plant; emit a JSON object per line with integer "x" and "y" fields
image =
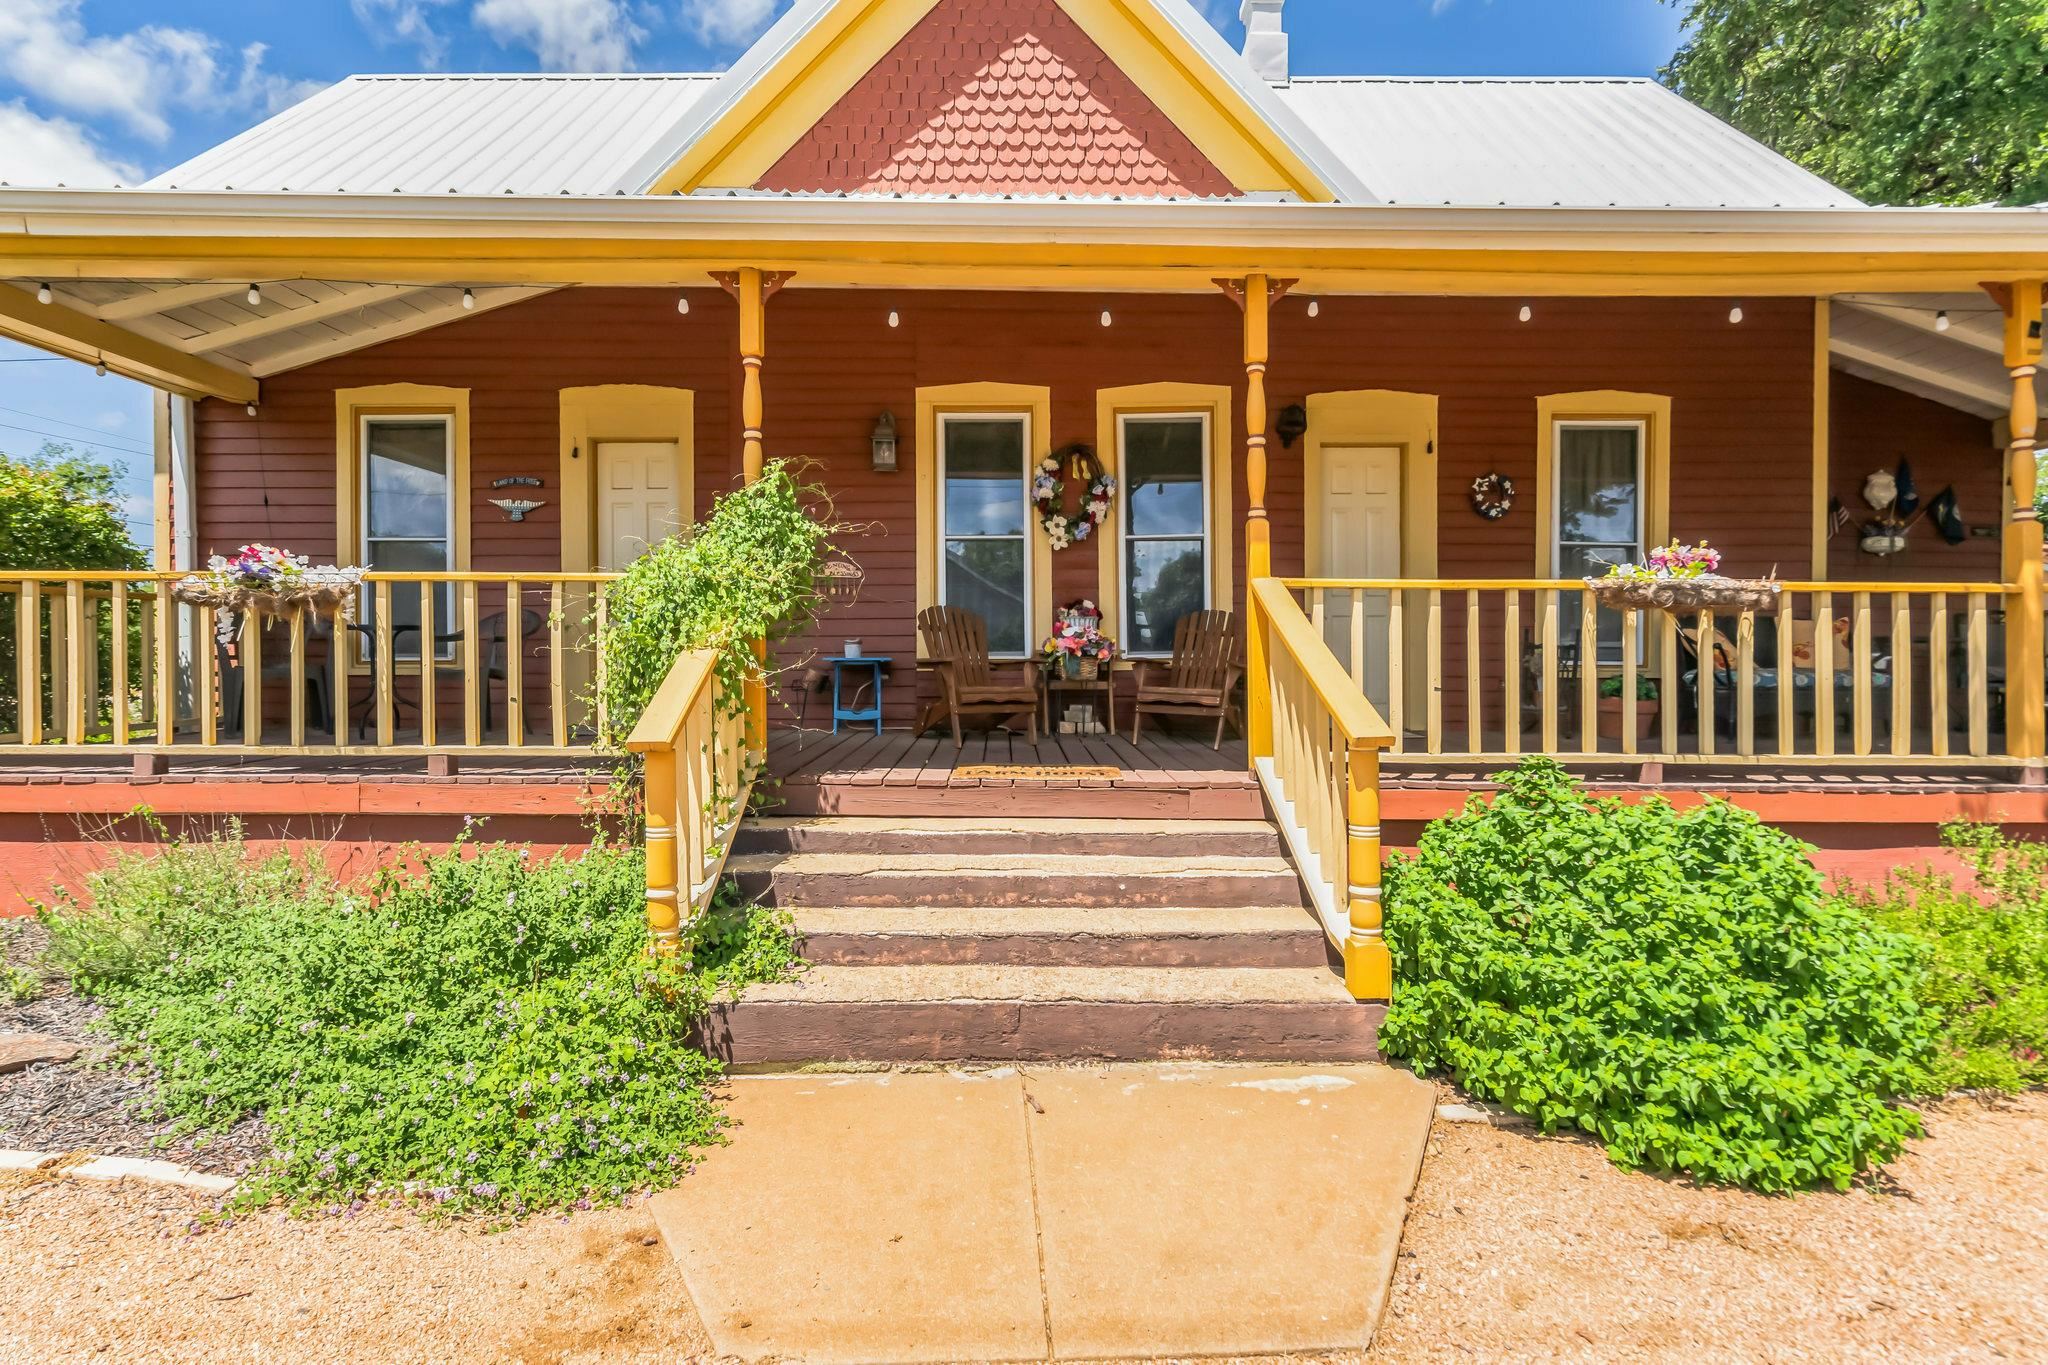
{"x": 1611, "y": 710}
{"x": 1077, "y": 645}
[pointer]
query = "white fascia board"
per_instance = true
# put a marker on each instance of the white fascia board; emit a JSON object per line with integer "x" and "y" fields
{"x": 712, "y": 217}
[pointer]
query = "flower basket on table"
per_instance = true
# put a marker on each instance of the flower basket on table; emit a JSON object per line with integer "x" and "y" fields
{"x": 1681, "y": 579}
{"x": 270, "y": 582}
{"x": 1077, "y": 645}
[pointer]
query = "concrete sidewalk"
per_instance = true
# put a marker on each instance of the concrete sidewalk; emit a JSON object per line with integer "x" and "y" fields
{"x": 1074, "y": 1213}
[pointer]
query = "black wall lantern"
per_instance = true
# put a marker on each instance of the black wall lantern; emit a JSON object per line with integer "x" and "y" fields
{"x": 884, "y": 443}
{"x": 1291, "y": 423}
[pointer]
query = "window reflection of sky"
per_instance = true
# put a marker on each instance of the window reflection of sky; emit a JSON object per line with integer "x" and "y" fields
{"x": 408, "y": 464}
{"x": 1163, "y": 477}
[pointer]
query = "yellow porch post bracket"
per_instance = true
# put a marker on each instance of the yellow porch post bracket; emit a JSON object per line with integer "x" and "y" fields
{"x": 2021, "y": 301}
{"x": 1368, "y": 966}
{"x": 664, "y": 915}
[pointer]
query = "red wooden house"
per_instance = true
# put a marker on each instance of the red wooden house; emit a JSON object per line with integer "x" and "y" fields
{"x": 1416, "y": 355}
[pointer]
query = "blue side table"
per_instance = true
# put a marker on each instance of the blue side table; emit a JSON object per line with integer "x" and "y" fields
{"x": 840, "y": 711}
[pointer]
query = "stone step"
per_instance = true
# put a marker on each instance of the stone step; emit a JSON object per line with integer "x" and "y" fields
{"x": 1062, "y": 936}
{"x": 1128, "y": 838}
{"x": 1013, "y": 1013}
{"x": 1081, "y": 879}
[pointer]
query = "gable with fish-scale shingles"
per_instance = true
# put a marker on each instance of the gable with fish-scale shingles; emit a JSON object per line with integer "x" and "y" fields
{"x": 997, "y": 97}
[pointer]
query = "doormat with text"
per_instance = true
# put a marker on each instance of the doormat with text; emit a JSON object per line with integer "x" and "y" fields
{"x": 1032, "y": 772}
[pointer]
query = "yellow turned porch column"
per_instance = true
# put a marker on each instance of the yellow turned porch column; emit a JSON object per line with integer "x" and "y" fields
{"x": 1368, "y": 966}
{"x": 753, "y": 287}
{"x": 2023, "y": 665}
{"x": 1254, "y": 296}
{"x": 663, "y": 908}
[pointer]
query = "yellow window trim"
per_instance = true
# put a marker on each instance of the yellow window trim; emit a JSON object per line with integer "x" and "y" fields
{"x": 789, "y": 97}
{"x": 1136, "y": 400}
{"x": 596, "y": 413}
{"x": 1653, "y": 410}
{"x": 351, "y": 406}
{"x": 1407, "y": 422}
{"x": 1036, "y": 402}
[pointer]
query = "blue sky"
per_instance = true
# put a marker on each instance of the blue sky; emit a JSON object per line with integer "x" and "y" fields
{"x": 112, "y": 91}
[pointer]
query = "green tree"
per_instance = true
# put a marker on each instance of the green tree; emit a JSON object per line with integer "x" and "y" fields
{"x": 57, "y": 512}
{"x": 1896, "y": 101}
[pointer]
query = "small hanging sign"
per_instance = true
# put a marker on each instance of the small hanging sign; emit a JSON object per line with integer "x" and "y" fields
{"x": 519, "y": 481}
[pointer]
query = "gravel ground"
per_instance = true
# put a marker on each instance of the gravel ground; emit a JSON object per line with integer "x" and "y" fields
{"x": 90, "y": 1105}
{"x": 1518, "y": 1247}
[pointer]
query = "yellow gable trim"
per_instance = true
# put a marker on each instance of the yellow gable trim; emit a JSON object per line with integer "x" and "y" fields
{"x": 788, "y": 98}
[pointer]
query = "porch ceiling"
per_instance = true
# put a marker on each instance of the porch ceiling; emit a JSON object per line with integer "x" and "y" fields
{"x": 207, "y": 339}
{"x": 1896, "y": 339}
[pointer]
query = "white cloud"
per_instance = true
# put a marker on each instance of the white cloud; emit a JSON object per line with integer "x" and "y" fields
{"x": 404, "y": 21}
{"x": 53, "y": 151}
{"x": 136, "y": 77}
{"x": 567, "y": 35}
{"x": 729, "y": 22}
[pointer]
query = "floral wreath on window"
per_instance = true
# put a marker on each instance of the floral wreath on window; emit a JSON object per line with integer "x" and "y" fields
{"x": 1049, "y": 495}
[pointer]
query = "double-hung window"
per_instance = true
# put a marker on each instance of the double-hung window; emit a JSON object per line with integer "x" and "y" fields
{"x": 1164, "y": 459}
{"x": 408, "y": 519}
{"x": 984, "y": 517}
{"x": 1599, "y": 514}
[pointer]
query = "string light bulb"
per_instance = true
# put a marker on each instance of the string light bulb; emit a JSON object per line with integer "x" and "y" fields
{"x": 1315, "y": 308}
{"x": 683, "y": 304}
{"x": 1107, "y": 320}
{"x": 43, "y": 294}
{"x": 468, "y": 300}
{"x": 1526, "y": 313}
{"x": 251, "y": 409}
{"x": 895, "y": 318}
{"x": 1735, "y": 313}
{"x": 100, "y": 369}
{"x": 1941, "y": 321}
{"x": 255, "y": 294}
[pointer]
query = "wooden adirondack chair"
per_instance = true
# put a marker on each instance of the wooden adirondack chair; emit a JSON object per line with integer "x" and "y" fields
{"x": 1201, "y": 680}
{"x": 956, "y": 646}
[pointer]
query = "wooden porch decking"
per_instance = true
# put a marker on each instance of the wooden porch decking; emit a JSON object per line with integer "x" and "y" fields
{"x": 1168, "y": 776}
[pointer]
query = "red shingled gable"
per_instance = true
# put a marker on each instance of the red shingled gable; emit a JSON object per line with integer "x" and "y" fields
{"x": 997, "y": 97}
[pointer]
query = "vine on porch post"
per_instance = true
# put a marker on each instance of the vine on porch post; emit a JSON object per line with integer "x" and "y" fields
{"x": 1255, "y": 295}
{"x": 2021, "y": 301}
{"x": 753, "y": 287}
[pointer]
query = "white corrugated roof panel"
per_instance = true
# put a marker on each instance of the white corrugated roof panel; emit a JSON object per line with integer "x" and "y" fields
{"x": 1535, "y": 142}
{"x": 526, "y": 134}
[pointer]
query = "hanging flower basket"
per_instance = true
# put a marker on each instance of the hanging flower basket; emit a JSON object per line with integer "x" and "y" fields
{"x": 269, "y": 582}
{"x": 1686, "y": 596}
{"x": 1681, "y": 579}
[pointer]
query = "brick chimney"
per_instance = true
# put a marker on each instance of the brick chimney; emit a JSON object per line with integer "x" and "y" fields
{"x": 1265, "y": 40}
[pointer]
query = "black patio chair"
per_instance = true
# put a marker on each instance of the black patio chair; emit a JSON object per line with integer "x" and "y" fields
{"x": 277, "y": 667}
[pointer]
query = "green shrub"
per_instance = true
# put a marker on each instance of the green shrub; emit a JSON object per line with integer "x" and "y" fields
{"x": 477, "y": 1029}
{"x": 1674, "y": 983}
{"x": 749, "y": 572}
{"x": 1987, "y": 974}
{"x": 20, "y": 984}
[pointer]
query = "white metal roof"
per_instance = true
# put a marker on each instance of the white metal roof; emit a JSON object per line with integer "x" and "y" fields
{"x": 1585, "y": 143}
{"x": 1532, "y": 142}
{"x": 519, "y": 134}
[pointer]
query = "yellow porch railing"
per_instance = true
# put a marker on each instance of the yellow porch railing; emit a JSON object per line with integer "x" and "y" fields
{"x": 1318, "y": 759}
{"x": 483, "y": 662}
{"x": 701, "y": 761}
{"x": 1839, "y": 673}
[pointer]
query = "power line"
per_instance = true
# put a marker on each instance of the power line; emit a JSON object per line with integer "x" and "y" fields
{"x": 46, "y": 417}
{"x": 62, "y": 439}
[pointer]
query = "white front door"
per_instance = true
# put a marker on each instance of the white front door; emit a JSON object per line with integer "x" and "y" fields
{"x": 636, "y": 499}
{"x": 1360, "y": 508}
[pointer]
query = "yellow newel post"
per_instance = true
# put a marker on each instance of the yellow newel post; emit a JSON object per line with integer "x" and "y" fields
{"x": 1368, "y": 966}
{"x": 664, "y": 919}
{"x": 2021, "y": 301}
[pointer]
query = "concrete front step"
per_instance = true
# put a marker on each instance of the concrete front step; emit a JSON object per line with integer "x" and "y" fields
{"x": 1122, "y": 838}
{"x": 1059, "y": 936}
{"x": 998, "y": 880}
{"x": 1011, "y": 1013}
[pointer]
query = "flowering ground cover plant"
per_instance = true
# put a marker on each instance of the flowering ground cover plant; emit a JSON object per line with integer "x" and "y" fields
{"x": 1077, "y": 634}
{"x": 472, "y": 1030}
{"x": 1676, "y": 560}
{"x": 1673, "y": 982}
